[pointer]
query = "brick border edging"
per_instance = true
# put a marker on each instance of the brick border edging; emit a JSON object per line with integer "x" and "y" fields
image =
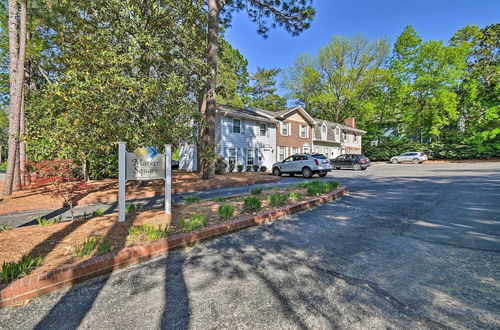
{"x": 18, "y": 291}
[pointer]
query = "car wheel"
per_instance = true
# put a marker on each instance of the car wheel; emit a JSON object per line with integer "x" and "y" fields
{"x": 356, "y": 167}
{"x": 307, "y": 172}
{"x": 394, "y": 161}
{"x": 416, "y": 161}
{"x": 276, "y": 171}
{"x": 322, "y": 174}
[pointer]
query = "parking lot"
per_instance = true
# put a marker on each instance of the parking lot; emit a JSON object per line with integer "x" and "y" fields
{"x": 411, "y": 246}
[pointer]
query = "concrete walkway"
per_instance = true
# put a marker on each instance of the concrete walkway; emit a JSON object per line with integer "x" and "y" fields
{"x": 27, "y": 218}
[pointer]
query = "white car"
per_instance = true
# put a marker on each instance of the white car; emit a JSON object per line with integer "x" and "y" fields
{"x": 304, "y": 164}
{"x": 410, "y": 157}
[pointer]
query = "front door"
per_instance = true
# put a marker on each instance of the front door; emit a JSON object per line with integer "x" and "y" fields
{"x": 266, "y": 158}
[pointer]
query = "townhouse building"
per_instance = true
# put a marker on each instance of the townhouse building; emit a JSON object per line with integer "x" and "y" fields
{"x": 254, "y": 136}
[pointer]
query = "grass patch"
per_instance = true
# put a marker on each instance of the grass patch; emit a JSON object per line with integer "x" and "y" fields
{"x": 251, "y": 204}
{"x": 192, "y": 199}
{"x": 256, "y": 191}
{"x": 296, "y": 196}
{"x": 226, "y": 211}
{"x": 132, "y": 208}
{"x": 92, "y": 246}
{"x": 277, "y": 199}
{"x": 218, "y": 199}
{"x": 97, "y": 213}
{"x": 14, "y": 270}
{"x": 149, "y": 232}
{"x": 317, "y": 187}
{"x": 44, "y": 222}
{"x": 197, "y": 221}
{"x": 4, "y": 228}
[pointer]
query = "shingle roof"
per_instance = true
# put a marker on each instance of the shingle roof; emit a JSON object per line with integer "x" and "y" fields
{"x": 241, "y": 111}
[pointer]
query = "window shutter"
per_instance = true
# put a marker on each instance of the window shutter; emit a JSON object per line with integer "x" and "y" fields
{"x": 242, "y": 126}
{"x": 289, "y": 129}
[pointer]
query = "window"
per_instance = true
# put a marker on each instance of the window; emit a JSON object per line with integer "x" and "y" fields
{"x": 337, "y": 131}
{"x": 345, "y": 137}
{"x": 355, "y": 138}
{"x": 232, "y": 156}
{"x": 282, "y": 153}
{"x": 295, "y": 150}
{"x": 263, "y": 129}
{"x": 323, "y": 129}
{"x": 325, "y": 151}
{"x": 290, "y": 159}
{"x": 285, "y": 129}
{"x": 250, "y": 157}
{"x": 318, "y": 150}
{"x": 236, "y": 126}
{"x": 305, "y": 150}
{"x": 303, "y": 131}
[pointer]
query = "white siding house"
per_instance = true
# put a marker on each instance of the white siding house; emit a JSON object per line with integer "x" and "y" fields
{"x": 242, "y": 136}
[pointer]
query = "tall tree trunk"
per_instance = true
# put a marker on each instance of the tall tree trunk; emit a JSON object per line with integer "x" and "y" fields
{"x": 208, "y": 136}
{"x": 17, "y": 54}
{"x": 22, "y": 144}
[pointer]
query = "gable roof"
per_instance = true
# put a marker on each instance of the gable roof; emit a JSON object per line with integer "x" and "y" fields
{"x": 243, "y": 112}
{"x": 344, "y": 127}
{"x": 280, "y": 114}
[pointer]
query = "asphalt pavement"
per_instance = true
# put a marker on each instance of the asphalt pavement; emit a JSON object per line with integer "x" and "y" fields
{"x": 411, "y": 246}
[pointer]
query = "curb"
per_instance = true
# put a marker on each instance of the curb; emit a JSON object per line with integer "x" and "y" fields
{"x": 21, "y": 290}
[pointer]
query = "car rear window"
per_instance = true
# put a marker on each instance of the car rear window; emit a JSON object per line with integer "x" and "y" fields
{"x": 361, "y": 156}
{"x": 319, "y": 156}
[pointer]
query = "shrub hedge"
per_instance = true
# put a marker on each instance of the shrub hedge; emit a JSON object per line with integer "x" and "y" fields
{"x": 435, "y": 150}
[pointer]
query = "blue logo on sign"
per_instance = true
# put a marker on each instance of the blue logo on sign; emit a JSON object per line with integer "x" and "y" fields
{"x": 148, "y": 152}
{"x": 152, "y": 152}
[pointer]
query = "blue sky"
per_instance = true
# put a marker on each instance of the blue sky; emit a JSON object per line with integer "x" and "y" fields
{"x": 433, "y": 19}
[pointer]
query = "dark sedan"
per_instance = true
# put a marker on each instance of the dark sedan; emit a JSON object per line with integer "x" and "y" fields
{"x": 355, "y": 161}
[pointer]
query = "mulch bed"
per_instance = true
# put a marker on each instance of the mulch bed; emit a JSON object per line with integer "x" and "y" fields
{"x": 102, "y": 191}
{"x": 57, "y": 242}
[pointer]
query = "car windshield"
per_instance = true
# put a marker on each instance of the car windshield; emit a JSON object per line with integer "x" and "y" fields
{"x": 319, "y": 156}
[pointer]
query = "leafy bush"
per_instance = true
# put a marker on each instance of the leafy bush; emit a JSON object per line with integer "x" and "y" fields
{"x": 194, "y": 222}
{"x": 435, "y": 150}
{"x": 4, "y": 228}
{"x": 296, "y": 196}
{"x": 92, "y": 246}
{"x": 14, "y": 270}
{"x": 239, "y": 168}
{"x": 97, "y": 213}
{"x": 218, "y": 199}
{"x": 248, "y": 168}
{"x": 226, "y": 211}
{"x": 251, "y": 204}
{"x": 256, "y": 191}
{"x": 131, "y": 208}
{"x": 317, "y": 187}
{"x": 192, "y": 199}
{"x": 255, "y": 168}
{"x": 149, "y": 232}
{"x": 44, "y": 222}
{"x": 277, "y": 199}
{"x": 263, "y": 168}
{"x": 220, "y": 165}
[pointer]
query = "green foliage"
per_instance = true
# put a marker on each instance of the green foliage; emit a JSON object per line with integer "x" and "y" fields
{"x": 256, "y": 191}
{"x": 97, "y": 213}
{"x": 262, "y": 90}
{"x": 92, "y": 246}
{"x": 3, "y": 166}
{"x": 220, "y": 165}
{"x": 149, "y": 232}
{"x": 132, "y": 208}
{"x": 318, "y": 187}
{"x": 263, "y": 168}
{"x": 296, "y": 196}
{"x": 194, "y": 222}
{"x": 14, "y": 270}
{"x": 218, "y": 199}
{"x": 4, "y": 227}
{"x": 226, "y": 211}
{"x": 248, "y": 168}
{"x": 192, "y": 199}
{"x": 45, "y": 222}
{"x": 239, "y": 168}
{"x": 255, "y": 168}
{"x": 277, "y": 199}
{"x": 435, "y": 150}
{"x": 251, "y": 204}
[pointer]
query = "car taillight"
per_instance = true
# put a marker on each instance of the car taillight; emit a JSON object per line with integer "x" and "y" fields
{"x": 316, "y": 161}
{"x": 363, "y": 160}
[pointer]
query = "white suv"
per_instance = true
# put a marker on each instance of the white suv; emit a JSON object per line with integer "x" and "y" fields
{"x": 414, "y": 157}
{"x": 304, "y": 164}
